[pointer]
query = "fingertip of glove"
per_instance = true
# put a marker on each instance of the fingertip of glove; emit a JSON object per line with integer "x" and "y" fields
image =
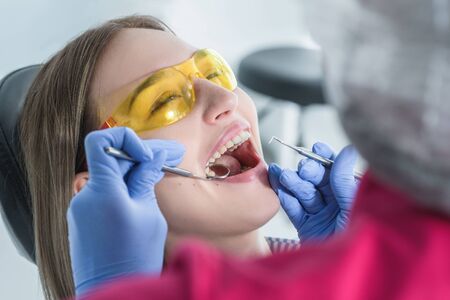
{"x": 287, "y": 177}
{"x": 176, "y": 146}
{"x": 352, "y": 150}
{"x": 309, "y": 169}
{"x": 318, "y": 146}
{"x": 275, "y": 169}
{"x": 160, "y": 154}
{"x": 348, "y": 154}
{"x": 180, "y": 146}
{"x": 148, "y": 155}
{"x": 322, "y": 149}
{"x": 92, "y": 138}
{"x": 274, "y": 176}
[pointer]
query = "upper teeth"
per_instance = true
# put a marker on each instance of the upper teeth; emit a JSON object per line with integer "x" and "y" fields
{"x": 230, "y": 146}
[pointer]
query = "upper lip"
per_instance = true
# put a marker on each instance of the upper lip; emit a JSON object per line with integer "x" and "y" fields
{"x": 230, "y": 131}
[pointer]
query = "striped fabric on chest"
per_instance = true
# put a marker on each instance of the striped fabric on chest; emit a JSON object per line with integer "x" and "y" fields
{"x": 282, "y": 245}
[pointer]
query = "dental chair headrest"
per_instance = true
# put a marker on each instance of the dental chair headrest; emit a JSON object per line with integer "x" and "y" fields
{"x": 15, "y": 204}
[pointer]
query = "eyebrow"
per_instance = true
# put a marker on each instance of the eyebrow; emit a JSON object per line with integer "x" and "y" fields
{"x": 148, "y": 82}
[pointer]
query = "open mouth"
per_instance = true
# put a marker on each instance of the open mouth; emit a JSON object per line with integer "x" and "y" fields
{"x": 237, "y": 154}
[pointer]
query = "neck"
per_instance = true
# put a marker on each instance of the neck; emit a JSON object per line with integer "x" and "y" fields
{"x": 250, "y": 244}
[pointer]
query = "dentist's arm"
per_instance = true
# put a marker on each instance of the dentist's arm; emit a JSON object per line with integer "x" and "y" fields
{"x": 115, "y": 225}
{"x": 317, "y": 200}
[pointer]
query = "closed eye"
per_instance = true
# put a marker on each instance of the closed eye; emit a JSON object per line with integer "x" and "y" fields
{"x": 160, "y": 103}
{"x": 213, "y": 75}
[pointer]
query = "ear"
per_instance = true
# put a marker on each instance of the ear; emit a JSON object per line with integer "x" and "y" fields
{"x": 79, "y": 182}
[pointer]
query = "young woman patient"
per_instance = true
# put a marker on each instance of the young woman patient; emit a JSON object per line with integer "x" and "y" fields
{"x": 135, "y": 72}
{"x": 140, "y": 81}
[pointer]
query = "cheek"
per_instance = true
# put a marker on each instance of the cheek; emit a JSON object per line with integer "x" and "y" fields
{"x": 192, "y": 208}
{"x": 247, "y": 106}
{"x": 180, "y": 203}
{"x": 247, "y": 109}
{"x": 167, "y": 196}
{"x": 185, "y": 132}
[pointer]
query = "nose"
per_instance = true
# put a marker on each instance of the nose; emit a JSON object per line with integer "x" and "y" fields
{"x": 219, "y": 103}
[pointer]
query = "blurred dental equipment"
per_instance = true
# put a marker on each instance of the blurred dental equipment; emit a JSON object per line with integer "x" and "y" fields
{"x": 221, "y": 171}
{"x": 309, "y": 154}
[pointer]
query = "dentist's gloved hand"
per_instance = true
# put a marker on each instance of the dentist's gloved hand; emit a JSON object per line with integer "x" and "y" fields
{"x": 115, "y": 225}
{"x": 316, "y": 199}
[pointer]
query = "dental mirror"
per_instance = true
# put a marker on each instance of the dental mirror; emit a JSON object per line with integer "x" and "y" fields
{"x": 220, "y": 171}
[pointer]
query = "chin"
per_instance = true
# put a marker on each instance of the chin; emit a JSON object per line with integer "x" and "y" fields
{"x": 258, "y": 209}
{"x": 269, "y": 205}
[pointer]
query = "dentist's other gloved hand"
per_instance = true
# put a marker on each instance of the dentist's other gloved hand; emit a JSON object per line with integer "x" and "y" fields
{"x": 115, "y": 225}
{"x": 316, "y": 199}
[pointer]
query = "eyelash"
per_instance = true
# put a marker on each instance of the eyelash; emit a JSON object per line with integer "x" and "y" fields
{"x": 160, "y": 103}
{"x": 213, "y": 75}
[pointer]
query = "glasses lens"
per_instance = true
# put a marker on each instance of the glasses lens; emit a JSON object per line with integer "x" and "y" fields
{"x": 161, "y": 100}
{"x": 168, "y": 95}
{"x": 214, "y": 68}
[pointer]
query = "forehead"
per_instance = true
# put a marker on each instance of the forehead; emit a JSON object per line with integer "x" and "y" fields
{"x": 132, "y": 54}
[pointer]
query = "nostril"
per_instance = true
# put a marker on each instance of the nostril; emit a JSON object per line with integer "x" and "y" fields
{"x": 223, "y": 115}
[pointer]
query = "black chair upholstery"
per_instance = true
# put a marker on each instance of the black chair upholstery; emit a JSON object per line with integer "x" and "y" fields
{"x": 287, "y": 73}
{"x": 15, "y": 204}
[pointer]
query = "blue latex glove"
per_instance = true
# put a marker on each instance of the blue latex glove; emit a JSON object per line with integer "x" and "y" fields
{"x": 115, "y": 225}
{"x": 316, "y": 199}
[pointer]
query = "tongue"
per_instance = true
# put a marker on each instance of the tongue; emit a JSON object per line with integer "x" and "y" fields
{"x": 230, "y": 162}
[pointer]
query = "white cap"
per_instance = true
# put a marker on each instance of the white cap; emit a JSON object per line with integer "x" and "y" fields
{"x": 388, "y": 72}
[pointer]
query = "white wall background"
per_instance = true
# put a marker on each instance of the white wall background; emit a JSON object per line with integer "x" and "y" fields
{"x": 33, "y": 30}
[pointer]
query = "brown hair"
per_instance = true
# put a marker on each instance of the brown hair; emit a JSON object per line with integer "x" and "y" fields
{"x": 56, "y": 117}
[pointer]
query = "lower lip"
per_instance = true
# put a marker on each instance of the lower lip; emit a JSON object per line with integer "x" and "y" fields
{"x": 259, "y": 171}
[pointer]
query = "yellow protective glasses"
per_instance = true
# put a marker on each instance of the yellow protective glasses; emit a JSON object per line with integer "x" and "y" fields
{"x": 167, "y": 95}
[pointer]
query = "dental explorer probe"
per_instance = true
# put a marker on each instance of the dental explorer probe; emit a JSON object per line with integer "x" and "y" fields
{"x": 327, "y": 163}
{"x": 173, "y": 170}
